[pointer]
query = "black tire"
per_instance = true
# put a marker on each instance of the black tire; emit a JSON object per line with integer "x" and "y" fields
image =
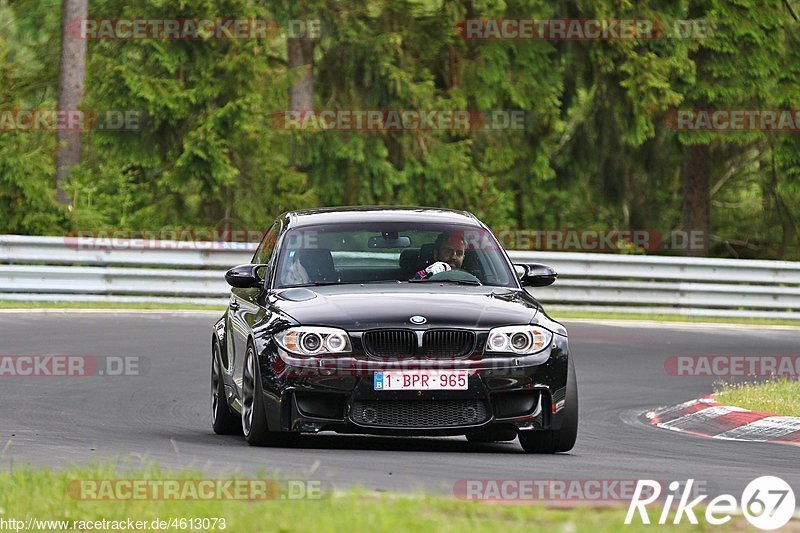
{"x": 254, "y": 417}
{"x": 492, "y": 436}
{"x": 557, "y": 440}
{"x": 223, "y": 419}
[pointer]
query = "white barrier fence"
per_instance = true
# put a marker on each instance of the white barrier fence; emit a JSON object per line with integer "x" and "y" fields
{"x": 71, "y": 269}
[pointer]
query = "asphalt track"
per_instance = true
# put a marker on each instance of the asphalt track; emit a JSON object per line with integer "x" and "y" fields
{"x": 164, "y": 415}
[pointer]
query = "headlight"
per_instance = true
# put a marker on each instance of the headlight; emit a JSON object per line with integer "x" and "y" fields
{"x": 309, "y": 340}
{"x": 522, "y": 340}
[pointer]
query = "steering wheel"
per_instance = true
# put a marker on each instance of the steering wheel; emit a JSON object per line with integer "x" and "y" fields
{"x": 455, "y": 274}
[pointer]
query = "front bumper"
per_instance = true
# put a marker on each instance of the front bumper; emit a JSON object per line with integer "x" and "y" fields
{"x": 336, "y": 394}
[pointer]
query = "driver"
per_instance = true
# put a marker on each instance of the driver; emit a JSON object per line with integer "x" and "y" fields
{"x": 450, "y": 248}
{"x": 448, "y": 253}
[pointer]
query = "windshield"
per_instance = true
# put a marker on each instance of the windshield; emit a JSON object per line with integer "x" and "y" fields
{"x": 391, "y": 252}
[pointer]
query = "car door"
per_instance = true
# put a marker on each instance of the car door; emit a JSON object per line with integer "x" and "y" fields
{"x": 244, "y": 309}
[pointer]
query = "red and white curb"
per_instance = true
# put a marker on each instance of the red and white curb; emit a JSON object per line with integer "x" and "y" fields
{"x": 708, "y": 418}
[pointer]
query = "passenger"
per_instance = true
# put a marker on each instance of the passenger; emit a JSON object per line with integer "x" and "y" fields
{"x": 295, "y": 273}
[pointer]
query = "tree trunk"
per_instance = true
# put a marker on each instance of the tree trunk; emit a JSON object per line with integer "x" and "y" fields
{"x": 696, "y": 198}
{"x": 301, "y": 94}
{"x": 71, "y": 84}
{"x": 301, "y": 54}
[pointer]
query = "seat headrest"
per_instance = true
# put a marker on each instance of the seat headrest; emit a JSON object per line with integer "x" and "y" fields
{"x": 409, "y": 259}
{"x": 318, "y": 262}
{"x": 425, "y": 255}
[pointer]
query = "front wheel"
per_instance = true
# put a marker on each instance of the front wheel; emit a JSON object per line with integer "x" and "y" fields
{"x": 254, "y": 416}
{"x": 223, "y": 420}
{"x": 557, "y": 440}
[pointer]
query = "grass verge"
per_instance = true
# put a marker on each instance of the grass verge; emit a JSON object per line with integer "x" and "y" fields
{"x": 778, "y": 397}
{"x": 156, "y": 306}
{"x": 566, "y": 315}
{"x": 45, "y": 494}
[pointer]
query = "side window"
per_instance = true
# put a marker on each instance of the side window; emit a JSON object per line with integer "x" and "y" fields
{"x": 264, "y": 251}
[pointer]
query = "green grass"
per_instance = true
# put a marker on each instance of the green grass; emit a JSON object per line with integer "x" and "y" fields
{"x": 778, "y": 397}
{"x": 9, "y": 304}
{"x": 43, "y": 494}
{"x": 566, "y": 315}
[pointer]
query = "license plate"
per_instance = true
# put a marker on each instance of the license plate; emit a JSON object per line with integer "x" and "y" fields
{"x": 422, "y": 380}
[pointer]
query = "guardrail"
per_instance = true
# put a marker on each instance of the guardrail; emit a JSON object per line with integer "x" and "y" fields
{"x": 71, "y": 269}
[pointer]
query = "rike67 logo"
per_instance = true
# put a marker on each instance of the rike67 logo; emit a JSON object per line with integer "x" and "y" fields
{"x": 767, "y": 503}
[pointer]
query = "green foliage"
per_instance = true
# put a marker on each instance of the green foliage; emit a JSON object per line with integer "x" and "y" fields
{"x": 596, "y": 151}
{"x": 27, "y": 198}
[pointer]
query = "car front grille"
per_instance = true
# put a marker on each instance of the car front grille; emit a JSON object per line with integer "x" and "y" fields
{"x": 399, "y": 343}
{"x": 419, "y": 413}
{"x": 448, "y": 343}
{"x": 390, "y": 343}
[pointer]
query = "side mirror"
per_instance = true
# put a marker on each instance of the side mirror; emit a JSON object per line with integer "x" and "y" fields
{"x": 535, "y": 274}
{"x": 246, "y": 276}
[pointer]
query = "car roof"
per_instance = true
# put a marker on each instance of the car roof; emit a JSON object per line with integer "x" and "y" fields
{"x": 355, "y": 214}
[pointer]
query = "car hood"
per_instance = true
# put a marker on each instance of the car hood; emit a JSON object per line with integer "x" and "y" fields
{"x": 358, "y": 308}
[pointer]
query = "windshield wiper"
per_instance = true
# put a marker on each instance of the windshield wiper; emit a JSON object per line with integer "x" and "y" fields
{"x": 474, "y": 283}
{"x": 323, "y": 283}
{"x": 313, "y": 284}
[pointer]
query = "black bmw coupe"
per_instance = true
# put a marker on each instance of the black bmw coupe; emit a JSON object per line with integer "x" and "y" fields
{"x": 395, "y": 321}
